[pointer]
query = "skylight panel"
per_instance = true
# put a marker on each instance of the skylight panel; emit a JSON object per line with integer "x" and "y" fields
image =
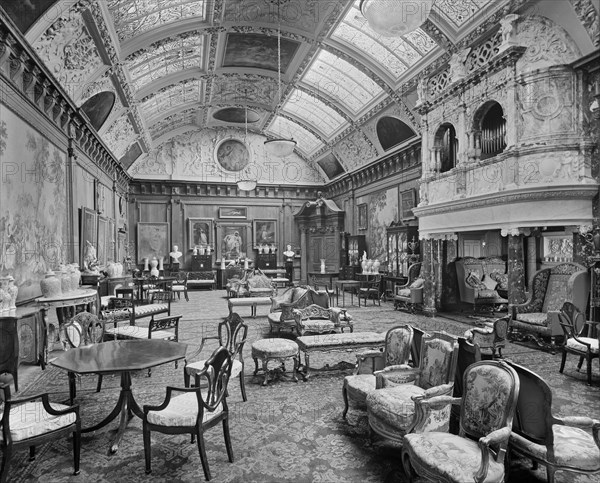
{"x": 342, "y": 81}
{"x": 459, "y": 12}
{"x": 307, "y": 141}
{"x": 314, "y": 112}
{"x": 183, "y": 93}
{"x": 133, "y": 17}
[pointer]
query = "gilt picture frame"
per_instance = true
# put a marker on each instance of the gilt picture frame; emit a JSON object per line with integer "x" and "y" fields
{"x": 233, "y": 240}
{"x": 152, "y": 241}
{"x": 233, "y": 212}
{"x": 363, "y": 221}
{"x": 200, "y": 232}
{"x": 88, "y": 231}
{"x": 264, "y": 232}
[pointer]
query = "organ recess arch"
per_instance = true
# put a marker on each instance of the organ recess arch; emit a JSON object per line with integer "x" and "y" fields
{"x": 445, "y": 148}
{"x": 490, "y": 129}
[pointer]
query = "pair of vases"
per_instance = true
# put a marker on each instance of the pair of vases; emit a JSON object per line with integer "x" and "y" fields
{"x": 8, "y": 294}
{"x": 114, "y": 269}
{"x": 66, "y": 280}
{"x": 370, "y": 266}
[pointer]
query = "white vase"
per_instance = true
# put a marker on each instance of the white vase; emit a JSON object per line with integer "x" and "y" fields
{"x": 363, "y": 265}
{"x": 160, "y": 263}
{"x": 369, "y": 266}
{"x": 13, "y": 291}
{"x": 4, "y": 295}
{"x": 376, "y": 264}
{"x": 146, "y": 267}
{"x": 153, "y": 270}
{"x": 246, "y": 264}
{"x": 223, "y": 263}
{"x": 111, "y": 269}
{"x": 323, "y": 266}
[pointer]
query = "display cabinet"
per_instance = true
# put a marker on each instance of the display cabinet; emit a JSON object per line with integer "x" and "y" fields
{"x": 266, "y": 261}
{"x": 402, "y": 248}
{"x": 357, "y": 245}
{"x": 201, "y": 263}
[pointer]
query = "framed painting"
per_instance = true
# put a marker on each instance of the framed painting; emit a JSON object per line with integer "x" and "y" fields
{"x": 264, "y": 232}
{"x": 233, "y": 212}
{"x": 88, "y": 231}
{"x": 232, "y": 155}
{"x": 200, "y": 232}
{"x": 363, "y": 223}
{"x": 407, "y": 203}
{"x": 152, "y": 241}
{"x": 110, "y": 241}
{"x": 101, "y": 247}
{"x": 233, "y": 240}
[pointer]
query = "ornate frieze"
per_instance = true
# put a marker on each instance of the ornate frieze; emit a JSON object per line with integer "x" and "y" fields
{"x": 588, "y": 15}
{"x": 355, "y": 151}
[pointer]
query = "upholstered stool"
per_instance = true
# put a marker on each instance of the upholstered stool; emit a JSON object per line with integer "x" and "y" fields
{"x": 274, "y": 349}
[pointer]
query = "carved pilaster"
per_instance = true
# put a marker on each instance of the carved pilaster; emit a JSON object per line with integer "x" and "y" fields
{"x": 516, "y": 269}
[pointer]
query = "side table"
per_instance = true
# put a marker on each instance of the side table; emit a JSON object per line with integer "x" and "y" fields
{"x": 275, "y": 349}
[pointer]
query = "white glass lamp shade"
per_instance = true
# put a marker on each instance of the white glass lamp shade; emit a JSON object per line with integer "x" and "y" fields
{"x": 280, "y": 148}
{"x": 393, "y": 18}
{"x": 246, "y": 184}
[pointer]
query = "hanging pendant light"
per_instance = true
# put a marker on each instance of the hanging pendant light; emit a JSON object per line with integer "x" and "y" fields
{"x": 279, "y": 147}
{"x": 393, "y": 18}
{"x": 246, "y": 184}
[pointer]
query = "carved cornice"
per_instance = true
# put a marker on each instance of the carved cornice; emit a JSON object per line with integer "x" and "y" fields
{"x": 588, "y": 16}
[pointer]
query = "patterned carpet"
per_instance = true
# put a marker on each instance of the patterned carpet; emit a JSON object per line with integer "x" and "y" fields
{"x": 285, "y": 432}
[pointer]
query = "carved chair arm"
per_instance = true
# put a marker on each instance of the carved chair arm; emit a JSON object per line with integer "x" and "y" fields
{"x": 197, "y": 352}
{"x": 582, "y": 422}
{"x": 408, "y": 374}
{"x": 426, "y": 409}
{"x": 497, "y": 437}
{"x": 368, "y": 362}
{"x": 441, "y": 390}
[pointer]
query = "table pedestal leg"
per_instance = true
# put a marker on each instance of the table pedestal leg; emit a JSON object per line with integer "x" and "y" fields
{"x": 126, "y": 407}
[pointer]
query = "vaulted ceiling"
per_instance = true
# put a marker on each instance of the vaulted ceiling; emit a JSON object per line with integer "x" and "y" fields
{"x": 175, "y": 66}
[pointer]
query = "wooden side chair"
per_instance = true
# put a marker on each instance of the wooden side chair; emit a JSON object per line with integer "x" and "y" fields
{"x": 559, "y": 443}
{"x": 369, "y": 289}
{"x": 195, "y": 410}
{"x": 477, "y": 453}
{"x": 232, "y": 333}
{"x": 577, "y": 340}
{"x": 180, "y": 285}
{"x": 31, "y": 421}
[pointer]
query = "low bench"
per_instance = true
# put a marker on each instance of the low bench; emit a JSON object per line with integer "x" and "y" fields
{"x": 125, "y": 308}
{"x": 338, "y": 342}
{"x": 202, "y": 279}
{"x": 251, "y": 302}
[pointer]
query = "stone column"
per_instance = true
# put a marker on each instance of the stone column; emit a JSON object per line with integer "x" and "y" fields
{"x": 531, "y": 259}
{"x": 304, "y": 253}
{"x": 428, "y": 270}
{"x": 449, "y": 283}
{"x": 516, "y": 270}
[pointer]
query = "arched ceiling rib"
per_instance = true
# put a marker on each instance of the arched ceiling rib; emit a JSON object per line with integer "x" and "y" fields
{"x": 175, "y": 63}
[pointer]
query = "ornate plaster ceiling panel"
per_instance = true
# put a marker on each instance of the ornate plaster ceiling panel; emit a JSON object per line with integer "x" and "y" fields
{"x": 314, "y": 112}
{"x": 172, "y": 122}
{"x": 133, "y": 17}
{"x": 308, "y": 143}
{"x": 236, "y": 90}
{"x": 459, "y": 12}
{"x": 393, "y": 54}
{"x": 120, "y": 136}
{"x": 341, "y": 81}
{"x": 168, "y": 98}
{"x": 164, "y": 58}
{"x": 258, "y": 51}
{"x": 69, "y": 51}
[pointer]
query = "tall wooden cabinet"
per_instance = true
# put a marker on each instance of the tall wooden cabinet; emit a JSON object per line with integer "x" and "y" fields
{"x": 402, "y": 248}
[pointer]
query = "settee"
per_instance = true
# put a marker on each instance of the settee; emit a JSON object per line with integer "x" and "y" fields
{"x": 482, "y": 282}
{"x": 550, "y": 289}
{"x": 253, "y": 283}
{"x": 281, "y": 313}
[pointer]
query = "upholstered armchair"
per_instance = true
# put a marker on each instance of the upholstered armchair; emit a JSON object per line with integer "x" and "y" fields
{"x": 414, "y": 272}
{"x": 282, "y": 306}
{"x": 390, "y": 407}
{"x": 398, "y": 342}
{"x": 559, "y": 443}
{"x": 479, "y": 280}
{"x": 319, "y": 320}
{"x": 477, "y": 453}
{"x": 576, "y": 340}
{"x": 491, "y": 336}
{"x": 550, "y": 289}
{"x": 410, "y": 297}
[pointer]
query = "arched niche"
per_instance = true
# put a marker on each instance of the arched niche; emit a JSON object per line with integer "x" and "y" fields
{"x": 392, "y": 132}
{"x": 445, "y": 147}
{"x": 98, "y": 107}
{"x": 489, "y": 125}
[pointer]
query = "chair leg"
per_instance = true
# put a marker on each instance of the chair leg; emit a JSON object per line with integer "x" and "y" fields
{"x": 202, "y": 451}
{"x": 31, "y": 453}
{"x": 227, "y": 439}
{"x": 186, "y": 296}
{"x": 147, "y": 448}
{"x": 72, "y": 388}
{"x": 581, "y": 358}
{"x": 550, "y": 473}
{"x": 562, "y": 362}
{"x": 243, "y": 386}
{"x": 589, "y": 369}
{"x": 99, "y": 385}
{"x": 6, "y": 454}
{"x": 186, "y": 378}
{"x": 346, "y": 405}
{"x": 76, "y": 450}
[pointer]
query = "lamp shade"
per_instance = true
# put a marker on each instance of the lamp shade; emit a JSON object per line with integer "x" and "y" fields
{"x": 393, "y": 18}
{"x": 281, "y": 147}
{"x": 246, "y": 184}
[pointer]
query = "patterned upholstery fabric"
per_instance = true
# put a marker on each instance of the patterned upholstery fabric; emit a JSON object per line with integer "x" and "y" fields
{"x": 487, "y": 294}
{"x": 31, "y": 419}
{"x": 138, "y": 332}
{"x": 501, "y": 278}
{"x": 404, "y": 376}
{"x": 418, "y": 283}
{"x": 436, "y": 361}
{"x": 573, "y": 447}
{"x": 347, "y": 339}
{"x": 392, "y": 407}
{"x": 274, "y": 348}
{"x": 359, "y": 386}
{"x": 489, "y": 282}
{"x": 116, "y": 314}
{"x": 317, "y": 325}
{"x": 454, "y": 458}
{"x": 150, "y": 309}
{"x": 573, "y": 344}
{"x": 403, "y": 292}
{"x": 197, "y": 367}
{"x": 535, "y": 318}
{"x": 474, "y": 281}
{"x": 397, "y": 346}
{"x": 181, "y": 411}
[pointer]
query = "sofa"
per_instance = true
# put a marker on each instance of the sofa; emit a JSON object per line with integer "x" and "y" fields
{"x": 299, "y": 297}
{"x": 537, "y": 318}
{"x": 480, "y": 280}
{"x": 253, "y": 283}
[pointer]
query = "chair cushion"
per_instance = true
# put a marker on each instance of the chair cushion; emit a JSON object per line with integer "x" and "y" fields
{"x": 451, "y": 457}
{"x": 197, "y": 367}
{"x": 359, "y": 386}
{"x": 501, "y": 278}
{"x": 150, "y": 309}
{"x": 116, "y": 314}
{"x": 418, "y": 283}
{"x": 181, "y": 411}
{"x": 394, "y": 378}
{"x": 317, "y": 325}
{"x": 403, "y": 292}
{"x": 534, "y": 318}
{"x": 392, "y": 407}
{"x": 489, "y": 282}
{"x": 178, "y": 288}
{"x": 473, "y": 281}
{"x": 138, "y": 332}
{"x": 275, "y": 347}
{"x": 573, "y": 447}
{"x": 31, "y": 419}
{"x": 573, "y": 344}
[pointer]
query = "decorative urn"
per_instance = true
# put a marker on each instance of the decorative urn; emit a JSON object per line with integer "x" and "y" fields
{"x": 50, "y": 285}
{"x": 13, "y": 290}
